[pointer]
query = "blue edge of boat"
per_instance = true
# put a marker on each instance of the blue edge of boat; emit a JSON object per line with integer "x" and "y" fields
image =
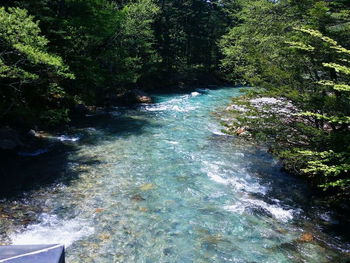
{"x": 32, "y": 254}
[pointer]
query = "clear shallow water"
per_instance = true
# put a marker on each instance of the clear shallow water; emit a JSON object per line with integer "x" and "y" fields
{"x": 161, "y": 183}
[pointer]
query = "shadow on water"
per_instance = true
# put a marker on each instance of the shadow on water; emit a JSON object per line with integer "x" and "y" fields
{"x": 21, "y": 174}
{"x": 316, "y": 212}
{"x": 105, "y": 127}
{"x": 27, "y": 180}
{"x": 24, "y": 173}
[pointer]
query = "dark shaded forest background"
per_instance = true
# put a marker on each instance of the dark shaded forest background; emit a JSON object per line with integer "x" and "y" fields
{"x": 55, "y": 54}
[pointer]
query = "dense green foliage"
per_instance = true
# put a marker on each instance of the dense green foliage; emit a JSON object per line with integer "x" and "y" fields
{"x": 299, "y": 52}
{"x": 108, "y": 46}
{"x": 65, "y": 52}
{"x": 30, "y": 74}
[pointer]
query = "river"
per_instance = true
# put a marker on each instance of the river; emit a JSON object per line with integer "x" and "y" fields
{"x": 162, "y": 183}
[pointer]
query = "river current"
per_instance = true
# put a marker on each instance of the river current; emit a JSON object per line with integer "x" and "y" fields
{"x": 162, "y": 183}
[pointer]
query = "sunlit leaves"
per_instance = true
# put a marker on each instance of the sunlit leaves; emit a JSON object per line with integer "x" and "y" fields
{"x": 26, "y": 64}
{"x": 335, "y": 167}
{"x": 22, "y": 46}
{"x": 335, "y": 86}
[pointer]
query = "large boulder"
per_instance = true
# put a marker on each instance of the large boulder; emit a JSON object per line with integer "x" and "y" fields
{"x": 126, "y": 98}
{"x": 9, "y": 139}
{"x": 141, "y": 96}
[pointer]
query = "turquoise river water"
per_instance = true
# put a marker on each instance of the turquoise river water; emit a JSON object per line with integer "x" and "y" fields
{"x": 162, "y": 183}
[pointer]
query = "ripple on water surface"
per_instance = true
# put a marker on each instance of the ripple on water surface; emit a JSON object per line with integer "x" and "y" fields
{"x": 162, "y": 183}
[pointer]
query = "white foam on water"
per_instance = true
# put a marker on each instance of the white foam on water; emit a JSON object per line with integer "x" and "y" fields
{"x": 276, "y": 211}
{"x": 179, "y": 104}
{"x": 169, "y": 107}
{"x": 172, "y": 142}
{"x": 215, "y": 129}
{"x": 245, "y": 187}
{"x": 64, "y": 138}
{"x": 236, "y": 208}
{"x": 238, "y": 183}
{"x": 195, "y": 93}
{"x": 215, "y": 177}
{"x": 52, "y": 230}
{"x": 218, "y": 132}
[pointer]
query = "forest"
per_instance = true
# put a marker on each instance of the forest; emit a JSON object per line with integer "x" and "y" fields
{"x": 56, "y": 54}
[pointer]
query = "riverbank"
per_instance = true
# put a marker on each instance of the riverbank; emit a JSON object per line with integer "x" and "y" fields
{"x": 290, "y": 136}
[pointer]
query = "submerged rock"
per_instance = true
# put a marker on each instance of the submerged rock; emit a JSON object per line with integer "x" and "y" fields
{"x": 99, "y": 210}
{"x": 143, "y": 209}
{"x": 137, "y": 198}
{"x": 306, "y": 237}
{"x": 147, "y": 187}
{"x": 168, "y": 251}
{"x": 104, "y": 237}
